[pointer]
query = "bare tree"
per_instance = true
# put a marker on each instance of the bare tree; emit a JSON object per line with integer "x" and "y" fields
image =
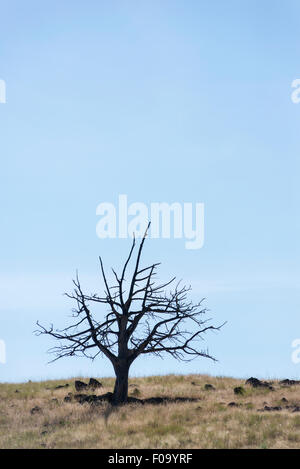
{"x": 144, "y": 320}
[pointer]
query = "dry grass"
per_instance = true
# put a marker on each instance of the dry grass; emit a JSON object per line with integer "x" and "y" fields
{"x": 209, "y": 423}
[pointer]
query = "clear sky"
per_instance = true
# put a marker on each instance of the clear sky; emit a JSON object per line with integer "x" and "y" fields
{"x": 165, "y": 101}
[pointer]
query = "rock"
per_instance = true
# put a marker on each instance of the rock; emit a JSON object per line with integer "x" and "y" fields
{"x": 288, "y": 382}
{"x": 256, "y": 383}
{"x": 35, "y": 410}
{"x": 94, "y": 383}
{"x": 270, "y": 409}
{"x": 17, "y": 390}
{"x": 209, "y": 387}
{"x": 284, "y": 400}
{"x": 68, "y": 397}
{"x": 232, "y": 404}
{"x": 293, "y": 408}
{"x": 239, "y": 390}
{"x": 80, "y": 385}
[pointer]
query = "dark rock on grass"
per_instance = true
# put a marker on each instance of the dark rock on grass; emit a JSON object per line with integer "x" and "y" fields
{"x": 284, "y": 400}
{"x": 17, "y": 390}
{"x": 80, "y": 385}
{"x": 232, "y": 404}
{"x": 209, "y": 387}
{"x": 256, "y": 383}
{"x": 289, "y": 382}
{"x": 239, "y": 391}
{"x": 68, "y": 399}
{"x": 35, "y": 410}
{"x": 270, "y": 409}
{"x": 293, "y": 408}
{"x": 94, "y": 383}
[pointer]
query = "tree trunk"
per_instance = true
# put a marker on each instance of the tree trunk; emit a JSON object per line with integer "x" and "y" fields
{"x": 121, "y": 384}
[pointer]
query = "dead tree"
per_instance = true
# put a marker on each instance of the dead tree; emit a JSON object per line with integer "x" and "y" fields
{"x": 145, "y": 320}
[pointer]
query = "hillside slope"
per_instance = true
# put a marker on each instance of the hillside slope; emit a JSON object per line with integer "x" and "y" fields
{"x": 36, "y": 415}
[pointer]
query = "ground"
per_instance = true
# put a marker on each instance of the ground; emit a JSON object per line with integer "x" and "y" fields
{"x": 206, "y": 423}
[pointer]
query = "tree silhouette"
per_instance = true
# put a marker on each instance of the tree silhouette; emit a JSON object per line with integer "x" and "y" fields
{"x": 145, "y": 320}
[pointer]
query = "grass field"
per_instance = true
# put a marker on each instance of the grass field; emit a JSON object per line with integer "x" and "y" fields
{"x": 206, "y": 423}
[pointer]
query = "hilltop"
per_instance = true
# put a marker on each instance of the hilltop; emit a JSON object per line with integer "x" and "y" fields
{"x": 49, "y": 415}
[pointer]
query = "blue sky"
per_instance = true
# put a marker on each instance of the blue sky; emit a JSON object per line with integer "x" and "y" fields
{"x": 165, "y": 101}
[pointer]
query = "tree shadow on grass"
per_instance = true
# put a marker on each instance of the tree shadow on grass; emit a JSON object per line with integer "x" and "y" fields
{"x": 108, "y": 397}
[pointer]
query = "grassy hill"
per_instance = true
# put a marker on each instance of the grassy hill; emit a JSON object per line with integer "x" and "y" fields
{"x": 35, "y": 415}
